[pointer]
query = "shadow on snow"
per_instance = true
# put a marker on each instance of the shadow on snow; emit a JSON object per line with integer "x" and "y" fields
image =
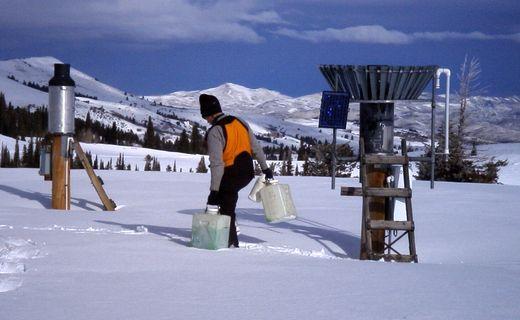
{"x": 45, "y": 199}
{"x": 319, "y": 232}
{"x": 180, "y": 236}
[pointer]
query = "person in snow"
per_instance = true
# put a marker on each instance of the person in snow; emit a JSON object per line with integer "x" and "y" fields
{"x": 231, "y": 147}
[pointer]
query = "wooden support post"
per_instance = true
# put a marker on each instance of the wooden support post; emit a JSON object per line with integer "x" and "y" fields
{"x": 376, "y": 177}
{"x": 60, "y": 174}
{"x": 107, "y": 202}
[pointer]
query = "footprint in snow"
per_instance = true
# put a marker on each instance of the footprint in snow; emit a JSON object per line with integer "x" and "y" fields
{"x": 12, "y": 251}
{"x": 9, "y": 283}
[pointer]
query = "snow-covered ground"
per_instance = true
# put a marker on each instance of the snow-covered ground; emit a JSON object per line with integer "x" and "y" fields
{"x": 136, "y": 263}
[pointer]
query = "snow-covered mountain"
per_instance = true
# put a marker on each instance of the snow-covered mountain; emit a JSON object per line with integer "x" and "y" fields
{"x": 284, "y": 118}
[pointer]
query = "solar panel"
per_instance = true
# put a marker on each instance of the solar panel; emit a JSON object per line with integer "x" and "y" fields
{"x": 334, "y": 110}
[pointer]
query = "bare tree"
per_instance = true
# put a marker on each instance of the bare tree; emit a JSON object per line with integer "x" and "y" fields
{"x": 459, "y": 166}
{"x": 469, "y": 77}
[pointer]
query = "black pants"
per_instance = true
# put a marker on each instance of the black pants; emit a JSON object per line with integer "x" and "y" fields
{"x": 230, "y": 185}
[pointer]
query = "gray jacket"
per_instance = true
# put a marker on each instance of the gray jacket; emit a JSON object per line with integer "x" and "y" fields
{"x": 216, "y": 142}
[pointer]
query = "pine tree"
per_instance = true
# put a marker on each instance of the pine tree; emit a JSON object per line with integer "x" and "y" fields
{"x": 120, "y": 162}
{"x": 88, "y": 121}
{"x": 76, "y": 162}
{"x": 201, "y": 168}
{"x": 136, "y": 168}
{"x": 36, "y": 156}
{"x": 95, "y": 166}
{"x": 168, "y": 168}
{"x": 474, "y": 149}
{"x": 175, "y": 166}
{"x": 87, "y": 134}
{"x": 25, "y": 158}
{"x": 3, "y": 110}
{"x": 149, "y": 136}
{"x": 5, "y": 162}
{"x": 148, "y": 163}
{"x": 30, "y": 155}
{"x": 16, "y": 157}
{"x": 302, "y": 152}
{"x": 156, "y": 165}
{"x": 283, "y": 171}
{"x": 158, "y": 142}
{"x": 457, "y": 167}
{"x": 182, "y": 144}
{"x": 297, "y": 171}
{"x": 281, "y": 154}
{"x": 305, "y": 168}
{"x": 289, "y": 165}
{"x": 111, "y": 136}
{"x": 88, "y": 155}
{"x": 196, "y": 143}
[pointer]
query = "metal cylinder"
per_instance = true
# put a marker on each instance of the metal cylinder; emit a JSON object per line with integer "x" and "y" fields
{"x": 61, "y": 101}
{"x": 377, "y": 126}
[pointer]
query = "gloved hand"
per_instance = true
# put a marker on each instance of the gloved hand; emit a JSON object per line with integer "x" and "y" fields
{"x": 213, "y": 198}
{"x": 268, "y": 174}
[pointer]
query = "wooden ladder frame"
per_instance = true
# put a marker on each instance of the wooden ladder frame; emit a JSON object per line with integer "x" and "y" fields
{"x": 367, "y": 225}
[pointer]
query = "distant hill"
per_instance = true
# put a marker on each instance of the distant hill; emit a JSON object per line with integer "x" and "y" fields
{"x": 282, "y": 118}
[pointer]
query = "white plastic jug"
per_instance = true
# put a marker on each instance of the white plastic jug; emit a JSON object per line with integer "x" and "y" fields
{"x": 254, "y": 195}
{"x": 277, "y": 202}
{"x": 210, "y": 231}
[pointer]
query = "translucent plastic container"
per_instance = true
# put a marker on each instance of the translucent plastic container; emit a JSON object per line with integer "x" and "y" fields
{"x": 210, "y": 231}
{"x": 277, "y": 202}
{"x": 254, "y": 195}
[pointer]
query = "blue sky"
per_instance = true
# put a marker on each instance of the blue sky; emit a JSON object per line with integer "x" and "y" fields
{"x": 159, "y": 46}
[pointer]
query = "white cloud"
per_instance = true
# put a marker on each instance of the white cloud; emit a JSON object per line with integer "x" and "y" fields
{"x": 363, "y": 34}
{"x": 380, "y": 35}
{"x": 264, "y": 17}
{"x": 439, "y": 36}
{"x": 514, "y": 37}
{"x": 150, "y": 20}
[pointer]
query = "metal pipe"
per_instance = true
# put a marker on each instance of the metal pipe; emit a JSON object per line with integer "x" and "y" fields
{"x": 432, "y": 144}
{"x": 333, "y": 186}
{"x": 334, "y": 133}
{"x": 447, "y": 72}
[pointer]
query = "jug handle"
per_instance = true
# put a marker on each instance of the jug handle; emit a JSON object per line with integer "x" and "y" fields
{"x": 271, "y": 181}
{"x": 211, "y": 209}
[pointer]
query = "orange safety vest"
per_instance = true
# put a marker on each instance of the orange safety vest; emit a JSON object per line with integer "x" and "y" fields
{"x": 237, "y": 140}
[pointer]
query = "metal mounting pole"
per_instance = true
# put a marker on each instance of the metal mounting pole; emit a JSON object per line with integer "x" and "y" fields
{"x": 333, "y": 185}
{"x": 334, "y": 133}
{"x": 432, "y": 143}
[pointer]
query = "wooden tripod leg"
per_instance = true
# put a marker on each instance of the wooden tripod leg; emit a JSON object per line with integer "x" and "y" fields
{"x": 107, "y": 202}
